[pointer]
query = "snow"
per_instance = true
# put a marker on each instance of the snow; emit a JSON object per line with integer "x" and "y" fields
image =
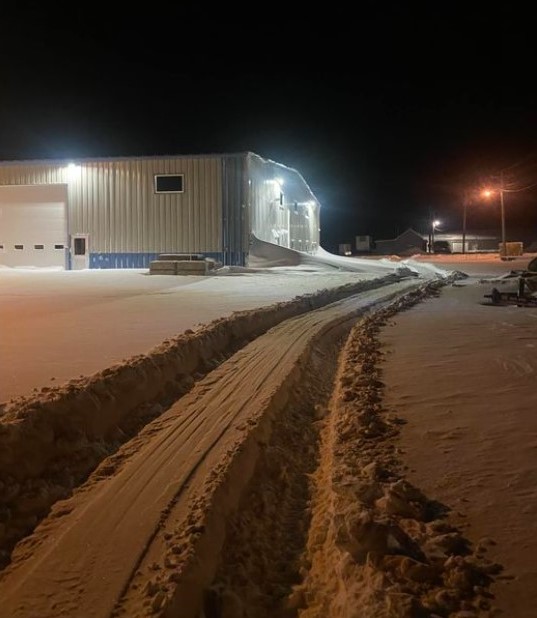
{"x": 177, "y": 484}
{"x": 172, "y": 471}
{"x": 58, "y": 325}
{"x": 463, "y": 376}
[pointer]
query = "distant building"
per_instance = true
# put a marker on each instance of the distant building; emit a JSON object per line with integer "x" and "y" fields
{"x": 407, "y": 243}
{"x": 410, "y": 242}
{"x": 364, "y": 243}
{"x": 345, "y": 249}
{"x": 123, "y": 212}
{"x": 473, "y": 242}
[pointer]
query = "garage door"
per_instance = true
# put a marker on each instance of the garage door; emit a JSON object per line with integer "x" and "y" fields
{"x": 33, "y": 226}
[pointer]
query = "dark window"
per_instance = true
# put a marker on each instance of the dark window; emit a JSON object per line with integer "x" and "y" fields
{"x": 169, "y": 183}
{"x": 80, "y": 246}
{"x": 59, "y": 247}
{"x": 39, "y": 246}
{"x": 1, "y": 247}
{"x": 19, "y": 247}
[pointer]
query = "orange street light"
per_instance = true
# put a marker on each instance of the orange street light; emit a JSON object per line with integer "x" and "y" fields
{"x": 489, "y": 193}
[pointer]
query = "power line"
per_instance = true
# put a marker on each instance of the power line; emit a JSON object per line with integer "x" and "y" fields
{"x": 521, "y": 189}
{"x": 521, "y": 161}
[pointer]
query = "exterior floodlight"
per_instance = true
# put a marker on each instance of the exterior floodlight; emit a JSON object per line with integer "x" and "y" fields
{"x": 436, "y": 223}
{"x": 73, "y": 171}
{"x": 486, "y": 193}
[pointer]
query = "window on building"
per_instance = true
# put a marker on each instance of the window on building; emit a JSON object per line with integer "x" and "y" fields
{"x": 80, "y": 246}
{"x": 39, "y": 246}
{"x": 59, "y": 247}
{"x": 19, "y": 247}
{"x": 169, "y": 183}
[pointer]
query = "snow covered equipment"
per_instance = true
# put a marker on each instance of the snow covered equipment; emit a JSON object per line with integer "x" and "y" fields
{"x": 525, "y": 296}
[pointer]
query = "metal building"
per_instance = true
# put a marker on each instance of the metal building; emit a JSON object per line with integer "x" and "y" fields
{"x": 123, "y": 212}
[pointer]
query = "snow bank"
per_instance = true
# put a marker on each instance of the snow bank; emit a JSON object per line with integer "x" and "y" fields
{"x": 375, "y": 541}
{"x": 51, "y": 441}
{"x": 263, "y": 254}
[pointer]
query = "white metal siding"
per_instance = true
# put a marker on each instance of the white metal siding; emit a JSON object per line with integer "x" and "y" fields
{"x": 283, "y": 210}
{"x": 114, "y": 202}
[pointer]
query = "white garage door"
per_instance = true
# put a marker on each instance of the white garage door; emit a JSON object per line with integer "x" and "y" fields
{"x": 33, "y": 225}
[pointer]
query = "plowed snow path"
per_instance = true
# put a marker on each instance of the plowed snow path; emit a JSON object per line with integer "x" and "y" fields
{"x": 83, "y": 559}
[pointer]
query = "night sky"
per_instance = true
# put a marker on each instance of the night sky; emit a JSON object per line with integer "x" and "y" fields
{"x": 389, "y": 114}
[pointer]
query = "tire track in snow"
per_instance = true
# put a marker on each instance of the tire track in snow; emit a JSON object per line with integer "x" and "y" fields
{"x": 94, "y": 546}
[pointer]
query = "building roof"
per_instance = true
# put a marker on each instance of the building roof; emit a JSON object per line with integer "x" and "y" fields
{"x": 66, "y": 161}
{"x": 406, "y": 232}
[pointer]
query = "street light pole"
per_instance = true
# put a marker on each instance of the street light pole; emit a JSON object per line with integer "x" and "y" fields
{"x": 464, "y": 226}
{"x": 502, "y": 211}
{"x": 466, "y": 201}
{"x": 434, "y": 224}
{"x": 501, "y": 190}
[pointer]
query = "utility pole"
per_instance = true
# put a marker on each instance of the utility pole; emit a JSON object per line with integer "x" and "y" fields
{"x": 467, "y": 195}
{"x": 464, "y": 204}
{"x": 502, "y": 211}
{"x": 434, "y": 224}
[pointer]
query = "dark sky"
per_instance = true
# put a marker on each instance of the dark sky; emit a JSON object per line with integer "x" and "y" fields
{"x": 388, "y": 113}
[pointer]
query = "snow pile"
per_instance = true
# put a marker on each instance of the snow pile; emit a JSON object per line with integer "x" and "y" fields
{"x": 376, "y": 541}
{"x": 51, "y": 441}
{"x": 264, "y": 255}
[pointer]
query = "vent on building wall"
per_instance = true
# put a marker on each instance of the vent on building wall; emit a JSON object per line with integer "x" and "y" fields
{"x": 169, "y": 183}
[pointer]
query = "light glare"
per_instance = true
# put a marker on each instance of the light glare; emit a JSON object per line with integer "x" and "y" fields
{"x": 73, "y": 171}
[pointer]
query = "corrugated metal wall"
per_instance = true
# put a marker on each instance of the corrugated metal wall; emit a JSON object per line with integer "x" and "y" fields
{"x": 225, "y": 199}
{"x": 236, "y": 230}
{"x": 113, "y": 200}
{"x": 282, "y": 207}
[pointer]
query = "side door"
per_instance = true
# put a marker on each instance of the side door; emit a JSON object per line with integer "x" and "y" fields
{"x": 79, "y": 251}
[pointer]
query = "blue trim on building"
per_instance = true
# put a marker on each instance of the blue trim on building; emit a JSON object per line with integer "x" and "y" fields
{"x": 142, "y": 260}
{"x": 121, "y": 260}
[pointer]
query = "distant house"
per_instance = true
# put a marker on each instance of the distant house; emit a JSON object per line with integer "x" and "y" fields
{"x": 407, "y": 243}
{"x": 473, "y": 242}
{"x": 411, "y": 242}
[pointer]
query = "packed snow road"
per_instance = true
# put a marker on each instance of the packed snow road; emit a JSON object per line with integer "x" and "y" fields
{"x": 143, "y": 536}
